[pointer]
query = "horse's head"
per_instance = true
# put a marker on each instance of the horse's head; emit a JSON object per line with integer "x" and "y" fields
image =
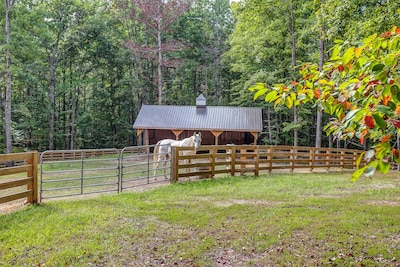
{"x": 197, "y": 140}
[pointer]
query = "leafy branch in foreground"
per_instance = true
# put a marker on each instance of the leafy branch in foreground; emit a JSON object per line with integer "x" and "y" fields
{"x": 360, "y": 88}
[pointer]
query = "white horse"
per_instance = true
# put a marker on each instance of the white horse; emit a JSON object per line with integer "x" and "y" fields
{"x": 162, "y": 150}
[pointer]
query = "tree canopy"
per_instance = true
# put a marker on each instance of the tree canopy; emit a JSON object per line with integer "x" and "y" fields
{"x": 359, "y": 86}
{"x": 74, "y": 83}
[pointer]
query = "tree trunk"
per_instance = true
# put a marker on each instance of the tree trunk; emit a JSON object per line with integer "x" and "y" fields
{"x": 7, "y": 115}
{"x": 295, "y": 131}
{"x": 160, "y": 55}
{"x": 52, "y": 86}
{"x": 218, "y": 78}
{"x": 74, "y": 112}
{"x": 294, "y": 63}
{"x": 52, "y": 89}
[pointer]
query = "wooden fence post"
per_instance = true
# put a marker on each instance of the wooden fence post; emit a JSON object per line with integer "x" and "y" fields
{"x": 293, "y": 157}
{"x": 342, "y": 160}
{"x": 257, "y": 161}
{"x": 328, "y": 159}
{"x": 270, "y": 153}
{"x": 33, "y": 174}
{"x": 214, "y": 153}
{"x": 233, "y": 160}
{"x": 35, "y": 157}
{"x": 26, "y": 163}
{"x": 174, "y": 165}
{"x": 312, "y": 158}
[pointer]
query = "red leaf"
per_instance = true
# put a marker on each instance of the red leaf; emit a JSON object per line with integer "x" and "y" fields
{"x": 362, "y": 140}
{"x": 364, "y": 133}
{"x": 396, "y": 153}
{"x": 386, "y": 138}
{"x": 386, "y": 34}
{"x": 340, "y": 68}
{"x": 317, "y": 93}
{"x": 373, "y": 82}
{"x": 346, "y": 105}
{"x": 396, "y": 123}
{"x": 369, "y": 121}
{"x": 386, "y": 99}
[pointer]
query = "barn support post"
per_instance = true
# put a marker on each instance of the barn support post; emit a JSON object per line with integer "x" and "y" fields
{"x": 177, "y": 133}
{"x": 147, "y": 137}
{"x": 255, "y": 136}
{"x": 139, "y": 136}
{"x": 216, "y": 135}
{"x": 147, "y": 140}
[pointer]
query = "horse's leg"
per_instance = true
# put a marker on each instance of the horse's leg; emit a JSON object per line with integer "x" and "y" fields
{"x": 165, "y": 165}
{"x": 156, "y": 158}
{"x": 155, "y": 166}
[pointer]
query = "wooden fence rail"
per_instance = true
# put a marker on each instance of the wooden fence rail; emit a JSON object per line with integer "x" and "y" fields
{"x": 13, "y": 186}
{"x": 211, "y": 160}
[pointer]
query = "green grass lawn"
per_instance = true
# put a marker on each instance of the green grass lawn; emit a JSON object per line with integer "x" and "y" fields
{"x": 271, "y": 220}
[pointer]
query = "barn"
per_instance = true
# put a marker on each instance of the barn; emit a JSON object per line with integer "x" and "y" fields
{"x": 217, "y": 124}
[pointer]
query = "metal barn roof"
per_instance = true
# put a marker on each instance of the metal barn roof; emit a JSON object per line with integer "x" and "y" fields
{"x": 222, "y": 118}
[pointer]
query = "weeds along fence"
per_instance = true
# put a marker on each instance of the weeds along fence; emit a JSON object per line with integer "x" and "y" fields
{"x": 211, "y": 160}
{"x": 18, "y": 177}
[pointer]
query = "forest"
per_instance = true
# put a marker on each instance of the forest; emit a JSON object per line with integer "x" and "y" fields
{"x": 74, "y": 73}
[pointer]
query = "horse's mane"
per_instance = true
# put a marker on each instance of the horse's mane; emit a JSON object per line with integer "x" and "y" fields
{"x": 188, "y": 141}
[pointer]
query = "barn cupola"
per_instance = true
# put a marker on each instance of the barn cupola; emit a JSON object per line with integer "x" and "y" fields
{"x": 201, "y": 101}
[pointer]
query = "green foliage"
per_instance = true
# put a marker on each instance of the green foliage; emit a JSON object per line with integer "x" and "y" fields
{"x": 359, "y": 86}
{"x": 90, "y": 58}
{"x": 205, "y": 27}
{"x": 100, "y": 86}
{"x": 261, "y": 50}
{"x": 353, "y": 20}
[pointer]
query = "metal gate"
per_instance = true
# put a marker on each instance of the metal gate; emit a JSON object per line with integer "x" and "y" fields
{"x": 137, "y": 168}
{"x": 77, "y": 172}
{"x": 66, "y": 173}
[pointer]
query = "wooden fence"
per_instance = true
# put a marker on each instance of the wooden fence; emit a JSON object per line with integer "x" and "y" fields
{"x": 211, "y": 160}
{"x": 18, "y": 177}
